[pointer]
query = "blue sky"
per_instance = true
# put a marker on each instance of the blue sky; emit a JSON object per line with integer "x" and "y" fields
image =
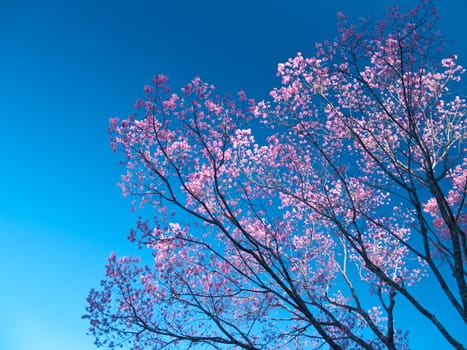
{"x": 65, "y": 68}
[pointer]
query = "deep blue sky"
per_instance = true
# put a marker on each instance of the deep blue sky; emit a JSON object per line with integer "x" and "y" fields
{"x": 65, "y": 68}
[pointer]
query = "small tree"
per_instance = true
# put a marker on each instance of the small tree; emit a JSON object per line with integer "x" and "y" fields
{"x": 308, "y": 233}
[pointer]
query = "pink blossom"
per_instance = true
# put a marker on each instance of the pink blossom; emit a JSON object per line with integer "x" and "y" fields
{"x": 160, "y": 80}
{"x": 148, "y": 89}
{"x": 242, "y": 95}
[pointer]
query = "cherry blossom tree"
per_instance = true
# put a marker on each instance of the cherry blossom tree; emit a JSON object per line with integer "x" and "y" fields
{"x": 303, "y": 221}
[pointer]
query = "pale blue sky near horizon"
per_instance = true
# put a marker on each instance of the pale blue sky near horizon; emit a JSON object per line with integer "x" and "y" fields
{"x": 65, "y": 68}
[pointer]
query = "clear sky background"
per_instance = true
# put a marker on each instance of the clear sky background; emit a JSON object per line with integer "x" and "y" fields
{"x": 65, "y": 68}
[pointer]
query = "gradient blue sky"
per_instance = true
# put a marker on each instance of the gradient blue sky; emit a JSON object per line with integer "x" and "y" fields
{"x": 65, "y": 68}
